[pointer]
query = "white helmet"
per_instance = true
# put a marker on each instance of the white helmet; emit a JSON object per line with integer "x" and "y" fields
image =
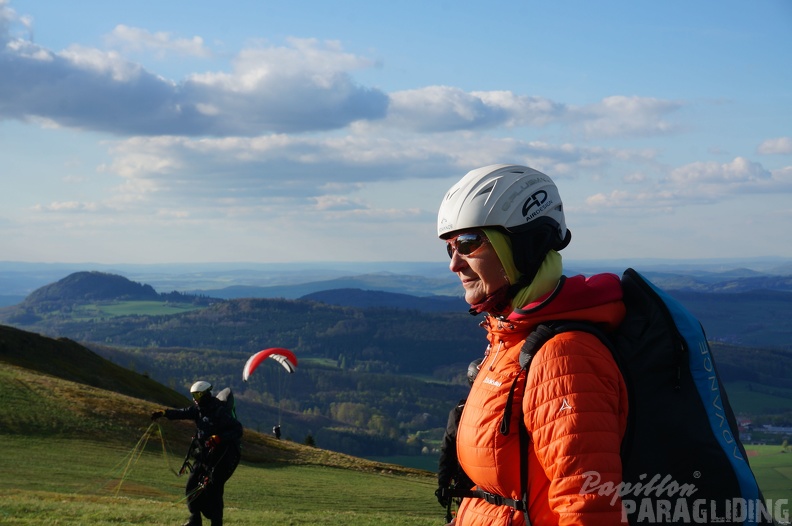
{"x": 199, "y": 389}
{"x": 514, "y": 198}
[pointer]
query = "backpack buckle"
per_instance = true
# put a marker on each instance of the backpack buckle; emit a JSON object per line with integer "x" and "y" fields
{"x": 494, "y": 499}
{"x": 500, "y": 500}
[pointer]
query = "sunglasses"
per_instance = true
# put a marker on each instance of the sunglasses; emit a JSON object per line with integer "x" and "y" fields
{"x": 466, "y": 244}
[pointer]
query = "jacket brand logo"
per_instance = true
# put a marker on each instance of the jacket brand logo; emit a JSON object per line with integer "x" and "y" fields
{"x": 490, "y": 381}
{"x": 564, "y": 406}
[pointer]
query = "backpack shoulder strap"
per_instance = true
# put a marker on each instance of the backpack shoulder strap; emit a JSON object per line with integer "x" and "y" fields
{"x": 533, "y": 343}
{"x": 543, "y": 333}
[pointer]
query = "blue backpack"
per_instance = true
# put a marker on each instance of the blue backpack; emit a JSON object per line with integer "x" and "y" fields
{"x": 682, "y": 459}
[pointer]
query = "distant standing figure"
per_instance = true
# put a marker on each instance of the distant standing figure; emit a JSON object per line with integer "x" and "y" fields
{"x": 276, "y": 431}
{"x": 218, "y": 438}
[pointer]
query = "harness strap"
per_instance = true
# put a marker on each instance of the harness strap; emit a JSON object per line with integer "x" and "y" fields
{"x": 532, "y": 344}
{"x": 524, "y": 442}
{"x": 492, "y": 498}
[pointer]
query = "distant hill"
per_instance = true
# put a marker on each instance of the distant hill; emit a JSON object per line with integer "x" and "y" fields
{"x": 419, "y": 286}
{"x": 745, "y": 281}
{"x": 738, "y": 280}
{"x": 92, "y": 286}
{"x": 389, "y": 300}
{"x": 82, "y": 288}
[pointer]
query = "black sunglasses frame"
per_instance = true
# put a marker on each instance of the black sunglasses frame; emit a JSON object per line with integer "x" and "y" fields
{"x": 466, "y": 243}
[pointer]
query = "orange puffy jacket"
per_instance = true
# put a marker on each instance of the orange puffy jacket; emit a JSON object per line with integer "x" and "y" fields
{"x": 574, "y": 406}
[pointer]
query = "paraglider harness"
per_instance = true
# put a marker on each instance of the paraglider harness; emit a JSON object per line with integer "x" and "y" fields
{"x": 195, "y": 452}
{"x": 492, "y": 498}
{"x": 451, "y": 493}
{"x": 191, "y": 458}
{"x": 197, "y": 455}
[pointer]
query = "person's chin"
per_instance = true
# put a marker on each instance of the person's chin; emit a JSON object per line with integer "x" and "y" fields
{"x": 473, "y": 300}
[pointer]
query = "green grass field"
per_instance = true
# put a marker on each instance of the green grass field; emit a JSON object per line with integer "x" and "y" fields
{"x": 129, "y": 308}
{"x": 773, "y": 470}
{"x": 751, "y": 398}
{"x": 78, "y": 482}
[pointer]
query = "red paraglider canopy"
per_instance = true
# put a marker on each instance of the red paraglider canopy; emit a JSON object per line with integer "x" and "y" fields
{"x": 283, "y": 356}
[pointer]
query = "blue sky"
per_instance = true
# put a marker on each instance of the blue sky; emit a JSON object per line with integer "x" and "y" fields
{"x": 164, "y": 132}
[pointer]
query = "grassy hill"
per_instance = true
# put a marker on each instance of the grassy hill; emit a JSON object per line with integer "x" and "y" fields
{"x": 60, "y": 388}
{"x": 68, "y": 360}
{"x": 78, "y": 452}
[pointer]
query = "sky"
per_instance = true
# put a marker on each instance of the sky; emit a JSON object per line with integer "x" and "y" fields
{"x": 260, "y": 131}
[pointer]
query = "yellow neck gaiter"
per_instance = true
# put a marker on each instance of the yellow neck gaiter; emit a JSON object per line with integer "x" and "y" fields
{"x": 546, "y": 278}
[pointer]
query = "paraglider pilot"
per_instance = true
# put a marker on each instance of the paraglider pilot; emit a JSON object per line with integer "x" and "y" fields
{"x": 276, "y": 431}
{"x": 216, "y": 446}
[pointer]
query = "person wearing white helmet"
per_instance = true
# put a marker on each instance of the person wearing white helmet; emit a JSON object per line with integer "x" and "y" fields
{"x": 520, "y": 214}
{"x": 217, "y": 450}
{"x": 504, "y": 227}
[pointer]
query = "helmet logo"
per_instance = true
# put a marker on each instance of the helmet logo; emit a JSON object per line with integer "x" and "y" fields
{"x": 537, "y": 199}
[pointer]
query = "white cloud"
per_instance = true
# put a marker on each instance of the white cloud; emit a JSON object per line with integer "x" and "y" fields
{"x": 739, "y": 173}
{"x": 67, "y": 206}
{"x": 161, "y": 43}
{"x": 523, "y": 110}
{"x": 74, "y": 179}
{"x": 624, "y": 116}
{"x": 304, "y": 87}
{"x": 444, "y": 108}
{"x": 300, "y": 167}
{"x": 103, "y": 63}
{"x": 7, "y": 17}
{"x": 337, "y": 202}
{"x": 440, "y": 108}
{"x": 697, "y": 183}
{"x": 780, "y": 145}
{"x": 621, "y": 202}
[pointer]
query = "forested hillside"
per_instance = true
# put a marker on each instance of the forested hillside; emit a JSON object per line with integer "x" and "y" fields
{"x": 371, "y": 380}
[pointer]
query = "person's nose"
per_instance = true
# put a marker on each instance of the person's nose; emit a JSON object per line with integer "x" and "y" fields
{"x": 457, "y": 262}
